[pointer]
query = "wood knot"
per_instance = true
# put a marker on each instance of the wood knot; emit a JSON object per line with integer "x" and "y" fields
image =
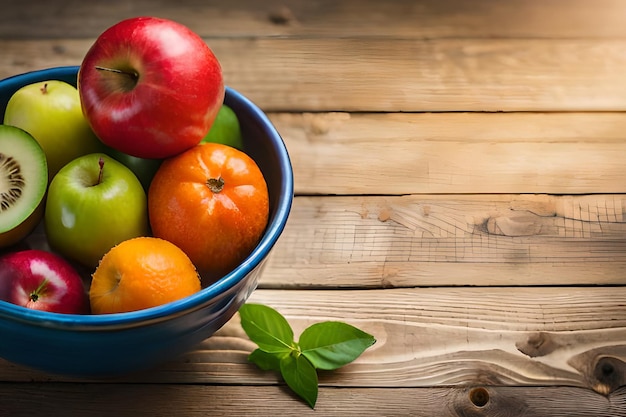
{"x": 609, "y": 374}
{"x": 537, "y": 344}
{"x": 513, "y": 225}
{"x": 283, "y": 16}
{"x": 59, "y": 49}
{"x": 479, "y": 401}
{"x": 319, "y": 126}
{"x": 384, "y": 214}
{"x": 479, "y": 396}
{"x": 603, "y": 368}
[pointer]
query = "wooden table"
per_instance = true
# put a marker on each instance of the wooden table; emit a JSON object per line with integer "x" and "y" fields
{"x": 460, "y": 185}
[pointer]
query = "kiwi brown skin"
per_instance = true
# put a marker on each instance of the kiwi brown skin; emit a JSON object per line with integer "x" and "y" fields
{"x": 15, "y": 235}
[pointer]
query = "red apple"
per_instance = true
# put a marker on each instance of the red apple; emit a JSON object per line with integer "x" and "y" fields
{"x": 150, "y": 87}
{"x": 41, "y": 280}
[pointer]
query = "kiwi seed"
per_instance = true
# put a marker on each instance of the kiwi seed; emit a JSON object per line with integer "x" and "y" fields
{"x": 11, "y": 169}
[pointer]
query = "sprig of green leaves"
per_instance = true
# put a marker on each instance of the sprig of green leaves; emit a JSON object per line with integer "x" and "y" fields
{"x": 327, "y": 345}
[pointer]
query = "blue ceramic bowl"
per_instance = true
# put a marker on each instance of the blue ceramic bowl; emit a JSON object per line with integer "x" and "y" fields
{"x": 114, "y": 344}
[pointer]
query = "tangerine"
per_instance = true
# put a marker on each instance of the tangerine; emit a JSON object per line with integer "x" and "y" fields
{"x": 140, "y": 273}
{"x": 212, "y": 202}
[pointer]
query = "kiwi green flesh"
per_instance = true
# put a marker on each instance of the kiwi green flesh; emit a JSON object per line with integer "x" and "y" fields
{"x": 23, "y": 176}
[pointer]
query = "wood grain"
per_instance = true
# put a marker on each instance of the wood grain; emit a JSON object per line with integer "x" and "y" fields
{"x": 343, "y": 153}
{"x": 424, "y": 19}
{"x": 460, "y": 195}
{"x": 433, "y": 240}
{"x": 430, "y": 337}
{"x": 407, "y": 75}
{"x": 156, "y": 400}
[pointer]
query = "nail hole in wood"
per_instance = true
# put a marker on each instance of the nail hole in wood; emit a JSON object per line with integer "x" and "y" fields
{"x": 479, "y": 397}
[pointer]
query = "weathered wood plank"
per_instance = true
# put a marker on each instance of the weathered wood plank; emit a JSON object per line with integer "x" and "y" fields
{"x": 152, "y": 400}
{"x": 447, "y": 240}
{"x": 430, "y": 337}
{"x": 516, "y": 350}
{"x": 396, "y": 18}
{"x": 434, "y": 240}
{"x": 401, "y": 74}
{"x": 343, "y": 153}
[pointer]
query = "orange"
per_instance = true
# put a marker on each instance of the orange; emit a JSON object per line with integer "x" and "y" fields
{"x": 212, "y": 202}
{"x": 140, "y": 273}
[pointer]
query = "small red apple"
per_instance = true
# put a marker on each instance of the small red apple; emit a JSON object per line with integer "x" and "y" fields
{"x": 41, "y": 280}
{"x": 150, "y": 87}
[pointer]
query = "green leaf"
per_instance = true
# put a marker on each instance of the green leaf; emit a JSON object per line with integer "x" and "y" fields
{"x": 328, "y": 345}
{"x": 332, "y": 344}
{"x": 267, "y": 328}
{"x": 300, "y": 376}
{"x": 265, "y": 361}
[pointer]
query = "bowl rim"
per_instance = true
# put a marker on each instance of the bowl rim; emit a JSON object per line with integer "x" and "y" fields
{"x": 191, "y": 303}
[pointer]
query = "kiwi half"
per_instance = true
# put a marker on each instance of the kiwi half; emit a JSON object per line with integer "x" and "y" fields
{"x": 23, "y": 183}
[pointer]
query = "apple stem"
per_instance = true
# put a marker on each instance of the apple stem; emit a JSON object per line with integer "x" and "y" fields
{"x": 34, "y": 295}
{"x": 101, "y": 163}
{"x": 44, "y": 89}
{"x": 132, "y": 74}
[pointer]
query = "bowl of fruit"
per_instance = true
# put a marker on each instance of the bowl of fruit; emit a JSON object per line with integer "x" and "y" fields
{"x": 140, "y": 199}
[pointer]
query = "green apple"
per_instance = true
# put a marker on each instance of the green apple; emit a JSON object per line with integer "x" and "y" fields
{"x": 225, "y": 129}
{"x": 94, "y": 202}
{"x": 51, "y": 112}
{"x": 143, "y": 168}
